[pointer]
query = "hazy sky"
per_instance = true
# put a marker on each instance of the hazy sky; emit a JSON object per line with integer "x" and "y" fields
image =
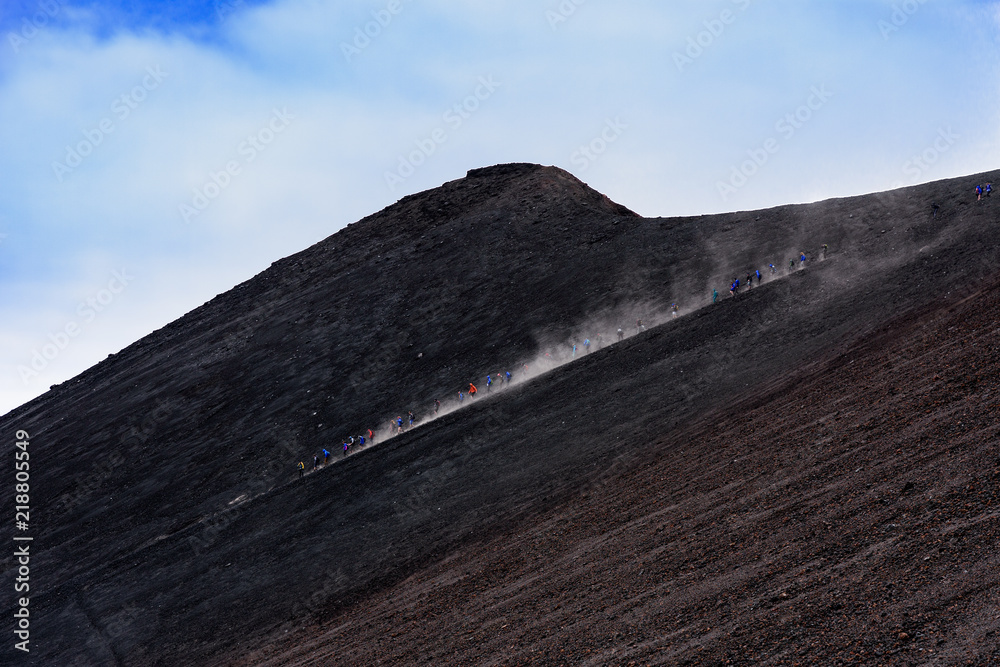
{"x": 156, "y": 154}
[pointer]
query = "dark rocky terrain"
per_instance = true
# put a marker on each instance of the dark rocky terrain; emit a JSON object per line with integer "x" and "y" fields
{"x": 805, "y": 474}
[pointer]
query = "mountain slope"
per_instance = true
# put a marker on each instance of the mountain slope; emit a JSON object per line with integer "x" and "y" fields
{"x": 846, "y": 515}
{"x": 172, "y": 512}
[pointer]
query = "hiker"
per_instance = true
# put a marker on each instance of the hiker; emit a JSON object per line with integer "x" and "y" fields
{"x": 802, "y": 259}
{"x": 621, "y": 334}
{"x": 326, "y": 456}
{"x": 749, "y": 281}
{"x": 361, "y": 441}
{"x": 758, "y": 276}
{"x": 600, "y": 341}
{"x": 673, "y": 310}
{"x": 399, "y": 424}
{"x": 411, "y": 419}
{"x": 437, "y": 405}
{"x": 315, "y": 461}
{"x": 508, "y": 377}
{"x": 574, "y": 350}
{"x": 979, "y": 192}
{"x": 715, "y": 295}
{"x": 351, "y": 441}
{"x": 586, "y": 345}
{"x": 345, "y": 448}
{"x": 825, "y": 248}
{"x": 472, "y": 390}
{"x": 934, "y": 210}
{"x": 489, "y": 378}
{"x": 791, "y": 265}
{"x": 371, "y": 436}
{"x": 302, "y": 469}
{"x": 639, "y": 326}
{"x": 461, "y": 397}
{"x": 774, "y": 269}
{"x": 988, "y": 190}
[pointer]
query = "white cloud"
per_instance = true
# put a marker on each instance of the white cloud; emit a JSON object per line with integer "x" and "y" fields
{"x": 354, "y": 118}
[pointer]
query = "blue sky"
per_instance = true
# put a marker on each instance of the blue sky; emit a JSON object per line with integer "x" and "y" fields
{"x": 156, "y": 154}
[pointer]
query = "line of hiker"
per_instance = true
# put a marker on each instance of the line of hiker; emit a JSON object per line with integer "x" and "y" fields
{"x": 323, "y": 457}
{"x": 754, "y": 275}
{"x": 498, "y": 381}
{"x": 983, "y": 191}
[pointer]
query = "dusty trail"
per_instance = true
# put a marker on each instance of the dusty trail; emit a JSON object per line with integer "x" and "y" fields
{"x": 554, "y": 357}
{"x": 838, "y": 519}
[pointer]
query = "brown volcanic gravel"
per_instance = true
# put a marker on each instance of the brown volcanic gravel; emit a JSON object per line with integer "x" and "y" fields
{"x": 846, "y": 516}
